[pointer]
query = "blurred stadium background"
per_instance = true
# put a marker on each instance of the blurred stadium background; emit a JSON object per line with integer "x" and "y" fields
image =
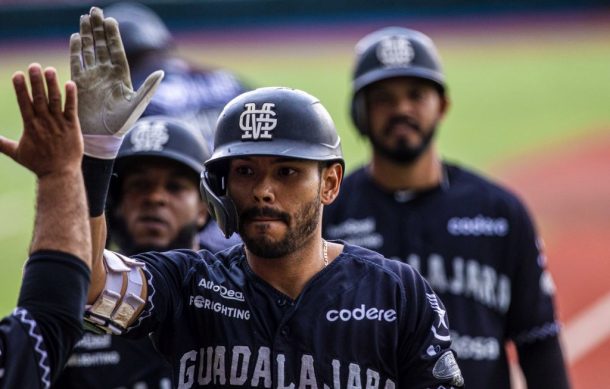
{"x": 530, "y": 90}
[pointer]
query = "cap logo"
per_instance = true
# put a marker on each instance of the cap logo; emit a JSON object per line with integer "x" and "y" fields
{"x": 395, "y": 51}
{"x": 149, "y": 136}
{"x": 257, "y": 123}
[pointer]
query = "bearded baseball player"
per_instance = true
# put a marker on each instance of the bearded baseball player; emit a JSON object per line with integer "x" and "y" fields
{"x": 286, "y": 308}
{"x": 36, "y": 339}
{"x": 471, "y": 239}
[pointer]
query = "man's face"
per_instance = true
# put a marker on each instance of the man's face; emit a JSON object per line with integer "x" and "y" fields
{"x": 403, "y": 115}
{"x": 160, "y": 206}
{"x": 279, "y": 202}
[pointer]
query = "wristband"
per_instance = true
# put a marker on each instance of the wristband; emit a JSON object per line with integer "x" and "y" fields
{"x": 102, "y": 146}
{"x": 96, "y": 174}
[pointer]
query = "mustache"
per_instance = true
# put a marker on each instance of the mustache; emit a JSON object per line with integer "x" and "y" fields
{"x": 252, "y": 213}
{"x": 402, "y": 119}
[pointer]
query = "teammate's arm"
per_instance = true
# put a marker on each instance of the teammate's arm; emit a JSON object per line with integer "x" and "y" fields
{"x": 532, "y": 319}
{"x": 108, "y": 106}
{"x": 47, "y": 322}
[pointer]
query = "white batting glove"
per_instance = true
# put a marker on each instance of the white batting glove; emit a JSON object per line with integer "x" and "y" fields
{"x": 107, "y": 103}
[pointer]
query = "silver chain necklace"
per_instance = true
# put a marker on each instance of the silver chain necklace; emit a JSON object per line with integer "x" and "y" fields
{"x": 325, "y": 252}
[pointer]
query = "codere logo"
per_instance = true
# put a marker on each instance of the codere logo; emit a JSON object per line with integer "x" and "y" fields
{"x": 361, "y": 313}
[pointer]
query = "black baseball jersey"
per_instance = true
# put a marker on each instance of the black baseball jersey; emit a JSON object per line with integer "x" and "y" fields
{"x": 363, "y": 321}
{"x": 107, "y": 361}
{"x": 37, "y": 337}
{"x": 475, "y": 244}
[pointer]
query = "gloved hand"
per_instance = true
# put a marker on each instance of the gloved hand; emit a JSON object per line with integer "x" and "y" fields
{"x": 107, "y": 103}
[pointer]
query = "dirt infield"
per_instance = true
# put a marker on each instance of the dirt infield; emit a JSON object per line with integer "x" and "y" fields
{"x": 568, "y": 191}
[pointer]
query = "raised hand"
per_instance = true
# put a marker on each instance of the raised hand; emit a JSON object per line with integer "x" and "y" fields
{"x": 51, "y": 141}
{"x": 108, "y": 105}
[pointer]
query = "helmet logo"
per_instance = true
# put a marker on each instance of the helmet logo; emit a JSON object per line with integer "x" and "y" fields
{"x": 149, "y": 136}
{"x": 257, "y": 123}
{"x": 395, "y": 51}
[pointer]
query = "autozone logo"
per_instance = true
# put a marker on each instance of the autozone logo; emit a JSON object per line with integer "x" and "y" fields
{"x": 222, "y": 290}
{"x": 361, "y": 313}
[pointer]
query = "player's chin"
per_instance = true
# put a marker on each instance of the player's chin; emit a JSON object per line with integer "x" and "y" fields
{"x": 153, "y": 243}
{"x": 268, "y": 230}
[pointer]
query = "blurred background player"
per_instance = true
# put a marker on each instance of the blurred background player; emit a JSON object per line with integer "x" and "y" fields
{"x": 154, "y": 204}
{"x": 192, "y": 93}
{"x": 473, "y": 240}
{"x": 189, "y": 92}
{"x": 36, "y": 339}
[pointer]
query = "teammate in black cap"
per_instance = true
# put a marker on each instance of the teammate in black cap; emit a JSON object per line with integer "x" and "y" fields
{"x": 472, "y": 239}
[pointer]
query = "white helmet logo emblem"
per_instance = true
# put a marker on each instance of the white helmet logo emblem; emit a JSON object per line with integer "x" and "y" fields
{"x": 395, "y": 51}
{"x": 149, "y": 136}
{"x": 257, "y": 123}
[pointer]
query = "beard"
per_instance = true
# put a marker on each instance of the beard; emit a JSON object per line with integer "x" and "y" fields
{"x": 307, "y": 219}
{"x": 402, "y": 152}
{"x": 119, "y": 234}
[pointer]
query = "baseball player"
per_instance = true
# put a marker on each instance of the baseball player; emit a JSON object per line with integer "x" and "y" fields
{"x": 471, "y": 239}
{"x": 36, "y": 339}
{"x": 189, "y": 92}
{"x": 154, "y": 204}
{"x": 286, "y": 308}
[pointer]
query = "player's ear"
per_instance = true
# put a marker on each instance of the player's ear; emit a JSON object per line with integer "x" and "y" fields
{"x": 331, "y": 177}
{"x": 445, "y": 103}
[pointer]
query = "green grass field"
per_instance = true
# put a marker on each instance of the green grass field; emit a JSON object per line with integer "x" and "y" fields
{"x": 509, "y": 97}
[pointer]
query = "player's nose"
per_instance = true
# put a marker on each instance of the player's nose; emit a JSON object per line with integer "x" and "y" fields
{"x": 157, "y": 194}
{"x": 263, "y": 190}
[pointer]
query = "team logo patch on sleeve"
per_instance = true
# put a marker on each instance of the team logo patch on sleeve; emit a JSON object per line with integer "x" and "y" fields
{"x": 446, "y": 368}
{"x": 257, "y": 123}
{"x": 442, "y": 324}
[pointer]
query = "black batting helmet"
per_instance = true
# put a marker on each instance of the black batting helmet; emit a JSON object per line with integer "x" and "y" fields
{"x": 266, "y": 122}
{"x": 141, "y": 28}
{"x": 388, "y": 53}
{"x": 163, "y": 137}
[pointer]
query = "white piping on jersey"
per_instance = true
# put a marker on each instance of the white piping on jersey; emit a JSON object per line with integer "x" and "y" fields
{"x": 24, "y": 317}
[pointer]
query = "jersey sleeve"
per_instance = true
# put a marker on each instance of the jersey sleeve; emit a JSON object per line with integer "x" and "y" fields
{"x": 531, "y": 315}
{"x": 427, "y": 360}
{"x": 39, "y": 335}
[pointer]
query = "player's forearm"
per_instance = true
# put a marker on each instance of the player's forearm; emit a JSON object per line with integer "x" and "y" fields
{"x": 543, "y": 364}
{"x": 97, "y": 173}
{"x": 98, "y": 242}
{"x": 61, "y": 216}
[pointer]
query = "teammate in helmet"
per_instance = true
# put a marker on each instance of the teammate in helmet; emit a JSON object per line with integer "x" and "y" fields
{"x": 286, "y": 308}
{"x": 188, "y": 92}
{"x": 154, "y": 204}
{"x": 473, "y": 240}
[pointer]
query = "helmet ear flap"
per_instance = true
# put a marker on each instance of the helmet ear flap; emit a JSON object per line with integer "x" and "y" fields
{"x": 220, "y": 206}
{"x": 359, "y": 114}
